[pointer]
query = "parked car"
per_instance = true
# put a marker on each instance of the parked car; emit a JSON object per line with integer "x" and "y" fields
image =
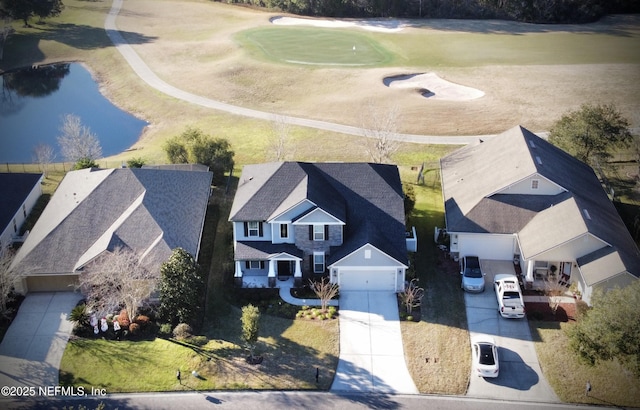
{"x": 472, "y": 275}
{"x": 485, "y": 356}
{"x": 509, "y": 296}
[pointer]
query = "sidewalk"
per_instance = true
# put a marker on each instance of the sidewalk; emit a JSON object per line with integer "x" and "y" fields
{"x": 285, "y": 294}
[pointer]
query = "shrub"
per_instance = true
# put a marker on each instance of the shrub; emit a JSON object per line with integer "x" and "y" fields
{"x": 165, "y": 329}
{"x": 134, "y": 328}
{"x": 79, "y": 315}
{"x": 182, "y": 331}
{"x": 198, "y": 340}
{"x": 409, "y": 318}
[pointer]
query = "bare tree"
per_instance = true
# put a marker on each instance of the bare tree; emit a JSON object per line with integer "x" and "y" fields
{"x": 381, "y": 129}
{"x": 77, "y": 142}
{"x": 412, "y": 296}
{"x": 44, "y": 155}
{"x": 117, "y": 279}
{"x": 325, "y": 291}
{"x": 5, "y": 32}
{"x": 8, "y": 278}
{"x": 280, "y": 141}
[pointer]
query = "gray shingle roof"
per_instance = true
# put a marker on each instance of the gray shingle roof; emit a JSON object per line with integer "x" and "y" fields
{"x": 148, "y": 210}
{"x": 472, "y": 175}
{"x": 367, "y": 197}
{"x": 14, "y": 190}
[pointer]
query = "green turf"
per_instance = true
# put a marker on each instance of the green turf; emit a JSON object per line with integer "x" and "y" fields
{"x": 314, "y": 46}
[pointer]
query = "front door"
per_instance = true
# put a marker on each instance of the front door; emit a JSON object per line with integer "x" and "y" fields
{"x": 284, "y": 269}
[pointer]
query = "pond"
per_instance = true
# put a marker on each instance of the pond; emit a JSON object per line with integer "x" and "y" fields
{"x": 33, "y": 102}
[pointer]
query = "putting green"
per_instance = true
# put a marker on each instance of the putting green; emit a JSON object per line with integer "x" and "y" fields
{"x": 315, "y": 46}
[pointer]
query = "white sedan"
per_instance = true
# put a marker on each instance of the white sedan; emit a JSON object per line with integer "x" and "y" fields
{"x": 485, "y": 356}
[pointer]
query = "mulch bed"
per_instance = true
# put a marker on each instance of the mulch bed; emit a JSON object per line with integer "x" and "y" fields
{"x": 542, "y": 311}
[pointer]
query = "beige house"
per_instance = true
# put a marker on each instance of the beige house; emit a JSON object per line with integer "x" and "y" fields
{"x": 93, "y": 211}
{"x": 517, "y": 197}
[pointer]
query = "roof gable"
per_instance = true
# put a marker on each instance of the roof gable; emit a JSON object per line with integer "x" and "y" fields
{"x": 96, "y": 210}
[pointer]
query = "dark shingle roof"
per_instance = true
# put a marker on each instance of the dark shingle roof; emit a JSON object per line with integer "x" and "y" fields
{"x": 473, "y": 175}
{"x": 14, "y": 190}
{"x": 150, "y": 211}
{"x": 367, "y": 197}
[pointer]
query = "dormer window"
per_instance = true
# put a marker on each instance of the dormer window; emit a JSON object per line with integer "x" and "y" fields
{"x": 534, "y": 183}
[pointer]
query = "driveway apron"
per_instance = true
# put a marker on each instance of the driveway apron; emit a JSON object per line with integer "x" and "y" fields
{"x": 32, "y": 348}
{"x": 520, "y": 377}
{"x": 371, "y": 351}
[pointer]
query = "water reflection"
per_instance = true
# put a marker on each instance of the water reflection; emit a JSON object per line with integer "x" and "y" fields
{"x": 34, "y": 100}
{"x": 35, "y": 81}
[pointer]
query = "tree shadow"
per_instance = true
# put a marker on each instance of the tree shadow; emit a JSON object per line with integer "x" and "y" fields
{"x": 520, "y": 376}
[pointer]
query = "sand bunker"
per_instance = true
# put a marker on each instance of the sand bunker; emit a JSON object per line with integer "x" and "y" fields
{"x": 431, "y": 86}
{"x": 388, "y": 26}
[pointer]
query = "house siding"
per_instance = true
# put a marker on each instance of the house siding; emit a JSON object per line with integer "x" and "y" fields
{"x": 524, "y": 187}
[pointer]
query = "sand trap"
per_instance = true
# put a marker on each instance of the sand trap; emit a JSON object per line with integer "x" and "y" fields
{"x": 388, "y": 26}
{"x": 433, "y": 87}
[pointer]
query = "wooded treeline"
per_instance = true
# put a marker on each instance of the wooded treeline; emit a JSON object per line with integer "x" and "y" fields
{"x": 532, "y": 11}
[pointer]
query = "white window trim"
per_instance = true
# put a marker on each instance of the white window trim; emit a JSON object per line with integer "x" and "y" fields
{"x": 318, "y": 235}
{"x": 315, "y": 254}
{"x": 286, "y": 226}
{"x": 254, "y": 265}
{"x": 251, "y": 230}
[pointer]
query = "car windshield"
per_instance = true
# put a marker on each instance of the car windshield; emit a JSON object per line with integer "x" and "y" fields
{"x": 511, "y": 295}
{"x": 486, "y": 355}
{"x": 473, "y": 273}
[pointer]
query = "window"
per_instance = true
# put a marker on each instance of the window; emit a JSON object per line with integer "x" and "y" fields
{"x": 284, "y": 230}
{"x": 318, "y": 232}
{"x": 318, "y": 262}
{"x": 253, "y": 228}
{"x": 254, "y": 264}
{"x": 534, "y": 184}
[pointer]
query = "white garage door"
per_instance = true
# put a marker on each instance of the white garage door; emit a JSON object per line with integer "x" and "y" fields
{"x": 368, "y": 280}
{"x": 497, "y": 247}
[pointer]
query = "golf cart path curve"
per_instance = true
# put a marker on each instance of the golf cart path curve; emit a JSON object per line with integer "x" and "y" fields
{"x": 148, "y": 76}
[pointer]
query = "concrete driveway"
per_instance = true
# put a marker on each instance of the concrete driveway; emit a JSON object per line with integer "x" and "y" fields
{"x": 371, "y": 351}
{"x": 32, "y": 348}
{"x": 520, "y": 375}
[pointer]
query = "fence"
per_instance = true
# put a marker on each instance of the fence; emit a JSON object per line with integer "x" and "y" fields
{"x": 22, "y": 167}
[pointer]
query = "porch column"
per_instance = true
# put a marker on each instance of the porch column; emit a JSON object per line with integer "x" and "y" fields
{"x": 297, "y": 275}
{"x": 529, "y": 276}
{"x": 272, "y": 273}
{"x": 237, "y": 276}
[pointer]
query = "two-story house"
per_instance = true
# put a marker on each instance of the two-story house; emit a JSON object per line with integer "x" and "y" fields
{"x": 517, "y": 197}
{"x": 300, "y": 220}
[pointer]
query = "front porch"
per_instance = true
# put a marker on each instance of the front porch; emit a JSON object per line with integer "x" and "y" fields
{"x": 271, "y": 273}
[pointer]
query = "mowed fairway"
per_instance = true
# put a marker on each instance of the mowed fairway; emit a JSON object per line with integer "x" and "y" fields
{"x": 316, "y": 46}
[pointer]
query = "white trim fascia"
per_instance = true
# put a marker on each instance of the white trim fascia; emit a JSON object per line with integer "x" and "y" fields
{"x": 318, "y": 209}
{"x": 368, "y": 244}
{"x": 274, "y": 218}
{"x": 534, "y": 175}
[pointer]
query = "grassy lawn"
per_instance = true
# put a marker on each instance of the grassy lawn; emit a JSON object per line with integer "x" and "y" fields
{"x": 291, "y": 349}
{"x": 436, "y": 348}
{"x": 612, "y": 385}
{"x": 312, "y": 46}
